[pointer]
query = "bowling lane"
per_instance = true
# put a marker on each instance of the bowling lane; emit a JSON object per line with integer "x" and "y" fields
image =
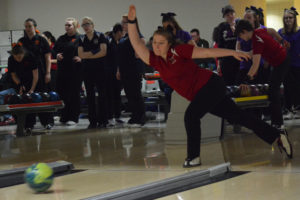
{"x": 100, "y": 149}
{"x": 129, "y": 157}
{"x": 86, "y": 184}
{"x": 248, "y": 153}
{"x": 254, "y": 185}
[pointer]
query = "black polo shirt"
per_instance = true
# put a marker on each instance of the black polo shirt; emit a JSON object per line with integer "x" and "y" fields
{"x": 203, "y": 43}
{"x": 68, "y": 46}
{"x": 226, "y": 39}
{"x": 92, "y": 45}
{"x": 38, "y": 46}
{"x": 112, "y": 54}
{"x": 127, "y": 61}
{"x": 203, "y": 62}
{"x": 23, "y": 69}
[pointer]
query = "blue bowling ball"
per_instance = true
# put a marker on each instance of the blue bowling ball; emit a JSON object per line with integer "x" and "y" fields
{"x": 36, "y": 97}
{"x": 54, "y": 96}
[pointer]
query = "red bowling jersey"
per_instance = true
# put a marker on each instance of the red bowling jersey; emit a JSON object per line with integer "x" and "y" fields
{"x": 180, "y": 72}
{"x": 270, "y": 50}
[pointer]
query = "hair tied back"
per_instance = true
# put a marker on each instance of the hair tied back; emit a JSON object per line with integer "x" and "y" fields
{"x": 16, "y": 44}
{"x": 168, "y": 14}
{"x": 295, "y": 10}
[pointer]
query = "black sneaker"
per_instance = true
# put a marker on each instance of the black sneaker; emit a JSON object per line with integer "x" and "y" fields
{"x": 192, "y": 162}
{"x": 284, "y": 144}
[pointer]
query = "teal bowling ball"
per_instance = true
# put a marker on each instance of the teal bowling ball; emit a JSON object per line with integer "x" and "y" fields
{"x": 39, "y": 177}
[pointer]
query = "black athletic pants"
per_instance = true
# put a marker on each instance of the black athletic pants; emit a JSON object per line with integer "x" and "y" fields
{"x": 53, "y": 81}
{"x": 68, "y": 86}
{"x": 292, "y": 87}
{"x": 113, "y": 95}
{"x": 45, "y": 117}
{"x": 278, "y": 75}
{"x": 94, "y": 80}
{"x": 132, "y": 83}
{"x": 211, "y": 99}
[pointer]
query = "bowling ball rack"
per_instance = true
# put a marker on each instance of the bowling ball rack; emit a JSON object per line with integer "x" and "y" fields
{"x": 152, "y": 76}
{"x": 252, "y": 102}
{"x": 156, "y": 98}
{"x": 21, "y": 111}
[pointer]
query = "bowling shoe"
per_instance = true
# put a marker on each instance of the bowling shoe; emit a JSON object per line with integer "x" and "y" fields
{"x": 284, "y": 144}
{"x": 192, "y": 162}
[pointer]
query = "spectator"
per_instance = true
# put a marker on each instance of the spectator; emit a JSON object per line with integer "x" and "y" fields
{"x": 92, "y": 50}
{"x": 131, "y": 69}
{"x": 114, "y": 85}
{"x": 69, "y": 76}
{"x": 38, "y": 46}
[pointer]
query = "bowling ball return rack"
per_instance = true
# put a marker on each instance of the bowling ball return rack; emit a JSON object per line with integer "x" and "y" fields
{"x": 246, "y": 103}
{"x": 21, "y": 111}
{"x": 252, "y": 102}
{"x": 156, "y": 98}
{"x": 173, "y": 185}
